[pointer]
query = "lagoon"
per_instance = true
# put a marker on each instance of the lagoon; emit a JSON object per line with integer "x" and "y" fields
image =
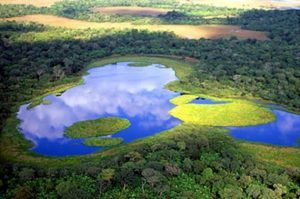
{"x": 115, "y": 90}
{"x": 135, "y": 93}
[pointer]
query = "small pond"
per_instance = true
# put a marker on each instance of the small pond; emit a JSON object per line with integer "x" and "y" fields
{"x": 116, "y": 90}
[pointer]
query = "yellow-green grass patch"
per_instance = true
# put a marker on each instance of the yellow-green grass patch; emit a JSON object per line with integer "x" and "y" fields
{"x": 98, "y": 141}
{"x": 98, "y": 127}
{"x": 184, "y": 31}
{"x": 236, "y": 113}
{"x": 283, "y": 156}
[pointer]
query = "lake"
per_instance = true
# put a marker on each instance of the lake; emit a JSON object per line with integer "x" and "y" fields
{"x": 116, "y": 90}
{"x": 134, "y": 93}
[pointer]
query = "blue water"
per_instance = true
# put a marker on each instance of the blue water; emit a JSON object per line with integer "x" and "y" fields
{"x": 116, "y": 90}
{"x": 205, "y": 101}
{"x": 284, "y": 131}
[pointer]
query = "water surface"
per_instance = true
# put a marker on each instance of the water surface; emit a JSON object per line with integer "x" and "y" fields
{"x": 284, "y": 131}
{"x": 205, "y": 101}
{"x": 116, "y": 90}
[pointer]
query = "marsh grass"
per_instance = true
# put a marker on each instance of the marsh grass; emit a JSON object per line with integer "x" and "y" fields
{"x": 98, "y": 141}
{"x": 283, "y": 156}
{"x": 236, "y": 113}
{"x": 98, "y": 127}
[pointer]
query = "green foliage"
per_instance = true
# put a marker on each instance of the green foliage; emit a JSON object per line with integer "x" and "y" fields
{"x": 107, "y": 174}
{"x": 17, "y": 10}
{"x": 102, "y": 141}
{"x": 98, "y": 127}
{"x": 217, "y": 169}
{"x": 76, "y": 187}
{"x": 26, "y": 174}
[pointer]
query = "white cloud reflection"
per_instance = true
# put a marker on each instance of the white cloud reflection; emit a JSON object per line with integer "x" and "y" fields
{"x": 114, "y": 90}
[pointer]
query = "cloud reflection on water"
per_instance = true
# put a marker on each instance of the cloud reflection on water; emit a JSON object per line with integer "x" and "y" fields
{"x": 117, "y": 90}
{"x": 284, "y": 131}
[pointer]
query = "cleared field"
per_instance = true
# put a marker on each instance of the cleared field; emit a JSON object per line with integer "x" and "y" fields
{"x": 184, "y": 31}
{"x": 37, "y": 3}
{"x": 247, "y": 4}
{"x": 131, "y": 10}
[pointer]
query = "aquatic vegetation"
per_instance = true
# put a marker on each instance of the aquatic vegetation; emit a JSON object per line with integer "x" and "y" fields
{"x": 99, "y": 141}
{"x": 98, "y": 127}
{"x": 283, "y": 156}
{"x": 183, "y": 99}
{"x": 236, "y": 113}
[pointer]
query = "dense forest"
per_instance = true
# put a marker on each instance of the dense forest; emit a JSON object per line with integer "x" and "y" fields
{"x": 206, "y": 162}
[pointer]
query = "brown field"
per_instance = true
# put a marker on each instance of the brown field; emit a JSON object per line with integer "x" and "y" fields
{"x": 247, "y": 4}
{"x": 184, "y": 31}
{"x": 139, "y": 11}
{"x": 37, "y": 3}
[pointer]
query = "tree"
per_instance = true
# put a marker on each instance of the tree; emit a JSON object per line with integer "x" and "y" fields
{"x": 58, "y": 73}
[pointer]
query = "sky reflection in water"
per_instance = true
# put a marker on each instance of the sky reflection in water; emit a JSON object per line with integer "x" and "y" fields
{"x": 284, "y": 131}
{"x": 116, "y": 90}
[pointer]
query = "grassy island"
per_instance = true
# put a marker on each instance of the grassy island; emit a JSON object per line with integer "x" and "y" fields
{"x": 98, "y": 127}
{"x": 236, "y": 113}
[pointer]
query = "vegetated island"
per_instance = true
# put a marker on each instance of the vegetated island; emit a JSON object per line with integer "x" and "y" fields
{"x": 235, "y": 113}
{"x": 98, "y": 127}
